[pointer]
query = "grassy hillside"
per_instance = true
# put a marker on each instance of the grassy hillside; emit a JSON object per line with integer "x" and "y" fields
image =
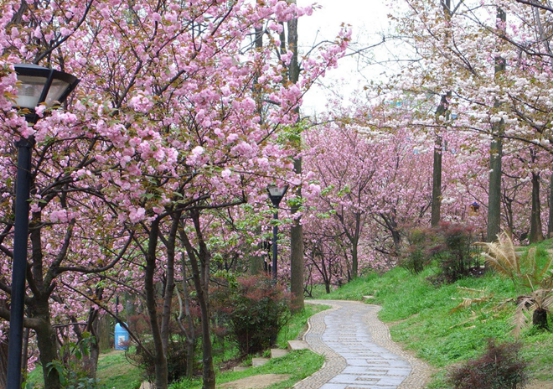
{"x": 422, "y": 316}
{"x": 425, "y": 318}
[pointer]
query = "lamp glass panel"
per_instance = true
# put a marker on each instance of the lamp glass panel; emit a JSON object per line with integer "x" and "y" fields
{"x": 29, "y": 91}
{"x": 57, "y": 89}
{"x": 276, "y": 191}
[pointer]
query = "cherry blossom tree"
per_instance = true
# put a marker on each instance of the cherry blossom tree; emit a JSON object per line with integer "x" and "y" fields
{"x": 455, "y": 51}
{"x": 164, "y": 127}
{"x": 374, "y": 183}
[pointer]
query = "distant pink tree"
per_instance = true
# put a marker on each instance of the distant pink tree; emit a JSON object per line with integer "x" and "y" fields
{"x": 373, "y": 184}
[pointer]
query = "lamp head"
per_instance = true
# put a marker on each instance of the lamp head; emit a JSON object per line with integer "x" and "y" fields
{"x": 276, "y": 193}
{"x": 40, "y": 85}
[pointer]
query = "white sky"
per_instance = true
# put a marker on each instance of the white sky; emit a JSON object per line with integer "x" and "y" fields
{"x": 367, "y": 18}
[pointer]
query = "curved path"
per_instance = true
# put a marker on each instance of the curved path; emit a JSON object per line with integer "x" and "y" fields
{"x": 358, "y": 350}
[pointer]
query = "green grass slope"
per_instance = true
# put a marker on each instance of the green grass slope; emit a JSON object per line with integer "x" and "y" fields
{"x": 427, "y": 319}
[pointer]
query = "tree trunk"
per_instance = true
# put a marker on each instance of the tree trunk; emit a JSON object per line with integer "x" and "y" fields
{"x": 186, "y": 313}
{"x": 535, "y": 234}
{"x": 90, "y": 348}
{"x": 160, "y": 359}
{"x": 200, "y": 261}
{"x": 208, "y": 372}
{"x": 495, "y": 189}
{"x": 25, "y": 350}
{"x": 355, "y": 242}
{"x": 39, "y": 308}
{"x": 495, "y": 176}
{"x": 442, "y": 110}
{"x": 296, "y": 234}
{"x": 104, "y": 327}
{"x": 509, "y": 216}
{"x": 324, "y": 270}
{"x": 297, "y": 255}
{"x": 47, "y": 345}
{"x": 255, "y": 265}
{"x": 540, "y": 318}
{"x": 550, "y": 209}
{"x": 170, "y": 281}
{"x": 3, "y": 364}
{"x": 92, "y": 359}
{"x": 437, "y": 182}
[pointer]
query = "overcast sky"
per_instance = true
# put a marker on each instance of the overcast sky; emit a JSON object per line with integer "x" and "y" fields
{"x": 367, "y": 18}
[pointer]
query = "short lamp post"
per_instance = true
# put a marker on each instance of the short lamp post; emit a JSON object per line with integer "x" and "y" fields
{"x": 36, "y": 85}
{"x": 276, "y": 194}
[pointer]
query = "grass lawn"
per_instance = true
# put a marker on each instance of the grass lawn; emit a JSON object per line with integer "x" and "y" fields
{"x": 114, "y": 371}
{"x": 298, "y": 364}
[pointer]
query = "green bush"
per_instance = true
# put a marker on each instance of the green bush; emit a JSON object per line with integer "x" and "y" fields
{"x": 451, "y": 245}
{"x": 74, "y": 365}
{"x": 176, "y": 360}
{"x": 72, "y": 378}
{"x": 499, "y": 368}
{"x": 255, "y": 309}
{"x": 457, "y": 254}
{"x": 419, "y": 252}
{"x": 143, "y": 355}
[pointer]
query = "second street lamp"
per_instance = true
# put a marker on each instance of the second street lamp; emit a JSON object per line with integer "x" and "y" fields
{"x": 276, "y": 194}
{"x": 36, "y": 85}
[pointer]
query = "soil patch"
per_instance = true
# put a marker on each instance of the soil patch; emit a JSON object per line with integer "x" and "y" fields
{"x": 539, "y": 385}
{"x": 255, "y": 382}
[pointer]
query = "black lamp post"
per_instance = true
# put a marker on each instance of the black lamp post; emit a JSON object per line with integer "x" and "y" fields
{"x": 36, "y": 85}
{"x": 276, "y": 194}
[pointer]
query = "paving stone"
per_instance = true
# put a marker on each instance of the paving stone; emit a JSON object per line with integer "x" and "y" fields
{"x": 278, "y": 352}
{"x": 259, "y": 361}
{"x": 298, "y": 345}
{"x": 358, "y": 350}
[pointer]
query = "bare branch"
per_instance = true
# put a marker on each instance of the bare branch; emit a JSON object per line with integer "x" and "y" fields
{"x": 535, "y": 4}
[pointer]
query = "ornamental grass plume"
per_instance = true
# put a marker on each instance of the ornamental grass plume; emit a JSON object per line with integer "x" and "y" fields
{"x": 534, "y": 282}
{"x": 502, "y": 257}
{"x": 523, "y": 270}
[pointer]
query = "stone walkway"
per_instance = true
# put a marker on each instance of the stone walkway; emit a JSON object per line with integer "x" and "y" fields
{"x": 358, "y": 350}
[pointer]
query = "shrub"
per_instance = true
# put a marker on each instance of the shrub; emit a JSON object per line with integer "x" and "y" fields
{"x": 176, "y": 360}
{"x": 499, "y": 368}
{"x": 458, "y": 255}
{"x": 256, "y": 310}
{"x": 74, "y": 366}
{"x": 420, "y": 251}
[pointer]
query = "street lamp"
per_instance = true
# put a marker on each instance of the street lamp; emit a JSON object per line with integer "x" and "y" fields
{"x": 36, "y": 85}
{"x": 276, "y": 194}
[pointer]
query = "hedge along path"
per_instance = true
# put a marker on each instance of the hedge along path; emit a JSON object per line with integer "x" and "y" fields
{"x": 359, "y": 352}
